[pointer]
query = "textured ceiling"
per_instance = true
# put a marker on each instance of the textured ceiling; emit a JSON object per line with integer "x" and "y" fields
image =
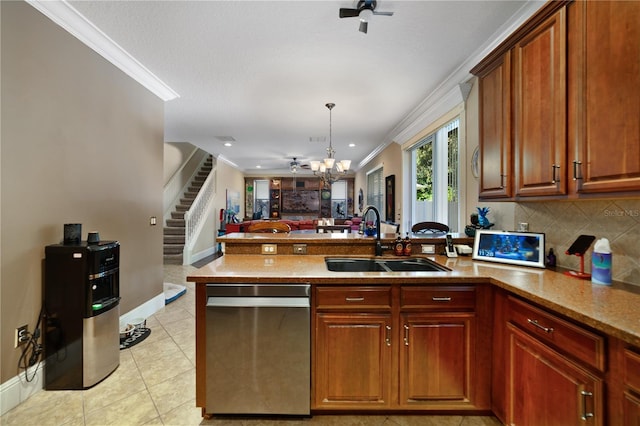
{"x": 262, "y": 71}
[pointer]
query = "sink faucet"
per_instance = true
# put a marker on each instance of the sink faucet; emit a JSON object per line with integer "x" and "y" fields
{"x": 379, "y": 246}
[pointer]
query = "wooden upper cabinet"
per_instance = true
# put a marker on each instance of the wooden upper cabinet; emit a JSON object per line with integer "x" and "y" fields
{"x": 495, "y": 130}
{"x": 539, "y": 107}
{"x": 604, "y": 96}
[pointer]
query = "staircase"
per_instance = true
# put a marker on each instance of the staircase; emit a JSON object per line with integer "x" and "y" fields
{"x": 174, "y": 230}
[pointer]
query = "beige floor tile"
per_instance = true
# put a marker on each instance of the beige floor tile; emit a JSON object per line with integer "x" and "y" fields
{"x": 172, "y": 314}
{"x": 182, "y": 325}
{"x": 348, "y": 420}
{"x": 150, "y": 348}
{"x": 174, "y": 391}
{"x": 186, "y": 414}
{"x": 480, "y": 421}
{"x": 163, "y": 366}
{"x": 122, "y": 383}
{"x": 424, "y": 421}
{"x": 46, "y": 408}
{"x": 136, "y": 409}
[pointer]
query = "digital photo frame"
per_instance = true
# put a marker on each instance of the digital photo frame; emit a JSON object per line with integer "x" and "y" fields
{"x": 516, "y": 248}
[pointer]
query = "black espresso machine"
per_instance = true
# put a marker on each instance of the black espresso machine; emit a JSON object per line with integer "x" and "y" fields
{"x": 81, "y": 298}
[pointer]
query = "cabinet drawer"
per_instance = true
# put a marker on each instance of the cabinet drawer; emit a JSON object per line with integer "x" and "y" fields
{"x": 571, "y": 339}
{"x": 438, "y": 298}
{"x": 353, "y": 297}
{"x": 632, "y": 369}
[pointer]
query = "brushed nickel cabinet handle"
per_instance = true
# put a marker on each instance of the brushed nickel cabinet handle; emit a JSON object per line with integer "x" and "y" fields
{"x": 554, "y": 167}
{"x": 406, "y": 335}
{"x": 576, "y": 165}
{"x": 585, "y": 414}
{"x": 354, "y": 299}
{"x": 387, "y": 340}
{"x": 441, "y": 299}
{"x": 535, "y": 323}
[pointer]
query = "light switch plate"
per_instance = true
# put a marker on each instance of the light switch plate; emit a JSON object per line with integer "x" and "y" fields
{"x": 299, "y": 249}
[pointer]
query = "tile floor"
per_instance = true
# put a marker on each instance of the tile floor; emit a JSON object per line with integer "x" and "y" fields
{"x": 155, "y": 385}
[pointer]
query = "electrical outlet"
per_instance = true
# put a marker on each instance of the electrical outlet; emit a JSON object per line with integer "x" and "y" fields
{"x": 269, "y": 249}
{"x": 22, "y": 335}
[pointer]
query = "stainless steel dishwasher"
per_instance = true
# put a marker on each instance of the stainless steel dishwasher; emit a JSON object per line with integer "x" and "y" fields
{"x": 258, "y": 349}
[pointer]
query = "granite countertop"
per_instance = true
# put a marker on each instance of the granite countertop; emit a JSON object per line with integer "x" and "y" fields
{"x": 614, "y": 310}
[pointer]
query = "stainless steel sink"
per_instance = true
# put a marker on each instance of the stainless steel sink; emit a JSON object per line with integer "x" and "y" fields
{"x": 355, "y": 264}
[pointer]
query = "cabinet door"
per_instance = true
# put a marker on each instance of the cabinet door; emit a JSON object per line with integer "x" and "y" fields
{"x": 435, "y": 357}
{"x": 495, "y": 130}
{"x": 604, "y": 60}
{"x": 539, "y": 69}
{"x": 546, "y": 389}
{"x": 631, "y": 409}
{"x": 352, "y": 360}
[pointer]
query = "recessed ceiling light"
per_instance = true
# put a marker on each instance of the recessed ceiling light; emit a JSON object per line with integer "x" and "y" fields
{"x": 228, "y": 144}
{"x": 258, "y": 166}
{"x": 351, "y": 145}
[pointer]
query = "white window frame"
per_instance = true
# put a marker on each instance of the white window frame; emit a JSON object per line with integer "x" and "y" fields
{"x": 440, "y": 152}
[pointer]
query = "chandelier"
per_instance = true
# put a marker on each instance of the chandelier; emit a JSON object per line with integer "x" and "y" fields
{"x": 329, "y": 170}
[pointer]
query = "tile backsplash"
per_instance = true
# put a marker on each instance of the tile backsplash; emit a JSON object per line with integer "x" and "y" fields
{"x": 563, "y": 221}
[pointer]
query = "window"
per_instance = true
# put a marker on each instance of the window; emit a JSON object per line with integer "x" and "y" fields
{"x": 339, "y": 199}
{"x": 261, "y": 198}
{"x": 375, "y": 189}
{"x": 435, "y": 176}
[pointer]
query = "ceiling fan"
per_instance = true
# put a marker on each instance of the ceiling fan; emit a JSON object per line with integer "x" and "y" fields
{"x": 363, "y": 5}
{"x": 295, "y": 165}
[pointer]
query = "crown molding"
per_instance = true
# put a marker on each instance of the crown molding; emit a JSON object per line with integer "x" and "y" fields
{"x": 67, "y": 17}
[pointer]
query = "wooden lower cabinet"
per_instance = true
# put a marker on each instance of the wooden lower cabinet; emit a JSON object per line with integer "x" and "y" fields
{"x": 546, "y": 388}
{"x": 353, "y": 360}
{"x": 435, "y": 358}
{"x": 398, "y": 348}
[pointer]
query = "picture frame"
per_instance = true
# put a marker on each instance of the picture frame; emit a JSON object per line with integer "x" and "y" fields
{"x": 390, "y": 198}
{"x": 233, "y": 202}
{"x": 515, "y": 248}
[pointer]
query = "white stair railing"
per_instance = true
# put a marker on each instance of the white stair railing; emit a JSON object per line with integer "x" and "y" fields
{"x": 194, "y": 218}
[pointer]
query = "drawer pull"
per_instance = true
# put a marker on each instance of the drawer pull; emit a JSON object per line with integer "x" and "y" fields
{"x": 406, "y": 335}
{"x": 554, "y": 179}
{"x": 535, "y": 323}
{"x": 441, "y": 299}
{"x": 354, "y": 299}
{"x": 387, "y": 339}
{"x": 585, "y": 415}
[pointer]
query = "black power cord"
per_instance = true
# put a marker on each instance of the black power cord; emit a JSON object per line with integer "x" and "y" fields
{"x": 31, "y": 352}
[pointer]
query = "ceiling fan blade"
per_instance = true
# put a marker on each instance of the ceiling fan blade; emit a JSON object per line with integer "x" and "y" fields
{"x": 349, "y": 13}
{"x": 383, "y": 13}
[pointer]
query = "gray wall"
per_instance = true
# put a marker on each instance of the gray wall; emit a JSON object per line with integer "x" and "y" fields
{"x": 83, "y": 143}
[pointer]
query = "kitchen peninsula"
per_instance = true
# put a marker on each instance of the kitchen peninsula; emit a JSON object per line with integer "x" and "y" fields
{"x": 479, "y": 338}
{"x": 331, "y": 243}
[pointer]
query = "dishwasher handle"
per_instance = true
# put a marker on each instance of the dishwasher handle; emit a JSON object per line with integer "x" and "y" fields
{"x": 258, "y": 302}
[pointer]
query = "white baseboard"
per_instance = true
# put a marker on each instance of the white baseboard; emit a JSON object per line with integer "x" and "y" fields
{"x": 145, "y": 310}
{"x": 193, "y": 258}
{"x": 16, "y": 390}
